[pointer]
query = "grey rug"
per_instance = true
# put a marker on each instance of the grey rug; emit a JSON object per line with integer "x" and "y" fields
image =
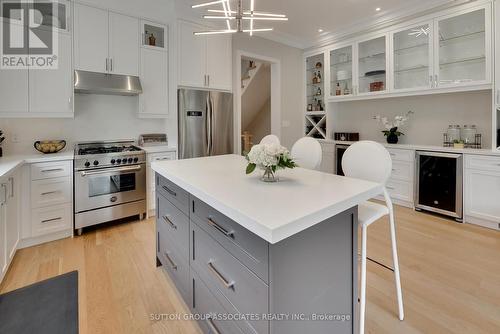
{"x": 47, "y": 307}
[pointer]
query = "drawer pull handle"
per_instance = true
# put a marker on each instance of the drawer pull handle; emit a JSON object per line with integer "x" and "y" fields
{"x": 213, "y": 328}
{"x": 222, "y": 279}
{"x": 51, "y": 220}
{"x": 50, "y": 192}
{"x": 170, "y": 191}
{"x": 162, "y": 159}
{"x": 169, "y": 259}
{"x": 52, "y": 170}
{"x": 229, "y": 234}
{"x": 168, "y": 221}
{"x": 390, "y": 188}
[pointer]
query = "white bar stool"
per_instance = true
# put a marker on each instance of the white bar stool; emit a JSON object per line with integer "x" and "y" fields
{"x": 371, "y": 161}
{"x": 307, "y": 153}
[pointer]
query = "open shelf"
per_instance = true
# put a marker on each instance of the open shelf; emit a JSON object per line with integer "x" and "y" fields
{"x": 464, "y": 60}
{"x": 153, "y": 36}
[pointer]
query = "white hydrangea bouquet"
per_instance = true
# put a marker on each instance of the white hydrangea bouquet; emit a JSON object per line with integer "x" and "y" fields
{"x": 269, "y": 158}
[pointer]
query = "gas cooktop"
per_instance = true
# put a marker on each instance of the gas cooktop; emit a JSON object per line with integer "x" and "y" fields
{"x": 107, "y": 149}
{"x": 107, "y": 154}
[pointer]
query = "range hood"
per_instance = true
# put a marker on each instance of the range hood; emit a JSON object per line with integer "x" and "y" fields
{"x": 106, "y": 84}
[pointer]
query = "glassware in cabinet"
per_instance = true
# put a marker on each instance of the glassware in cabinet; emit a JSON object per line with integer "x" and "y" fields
{"x": 372, "y": 65}
{"x": 341, "y": 70}
{"x": 315, "y": 87}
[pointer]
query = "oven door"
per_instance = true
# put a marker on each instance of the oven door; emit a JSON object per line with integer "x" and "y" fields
{"x": 105, "y": 187}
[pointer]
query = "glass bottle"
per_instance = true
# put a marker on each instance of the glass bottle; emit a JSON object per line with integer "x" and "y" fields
{"x": 338, "y": 91}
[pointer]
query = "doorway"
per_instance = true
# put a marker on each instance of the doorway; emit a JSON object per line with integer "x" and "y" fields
{"x": 258, "y": 99}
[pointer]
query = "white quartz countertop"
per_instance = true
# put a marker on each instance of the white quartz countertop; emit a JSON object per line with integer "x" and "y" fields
{"x": 273, "y": 211}
{"x": 9, "y": 163}
{"x": 158, "y": 149}
{"x": 472, "y": 151}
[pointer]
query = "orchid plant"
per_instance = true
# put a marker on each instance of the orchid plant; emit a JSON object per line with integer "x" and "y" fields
{"x": 391, "y": 127}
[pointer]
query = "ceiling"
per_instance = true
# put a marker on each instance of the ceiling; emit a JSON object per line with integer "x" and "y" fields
{"x": 306, "y": 17}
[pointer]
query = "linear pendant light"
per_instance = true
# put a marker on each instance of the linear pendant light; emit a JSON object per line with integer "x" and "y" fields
{"x": 237, "y": 16}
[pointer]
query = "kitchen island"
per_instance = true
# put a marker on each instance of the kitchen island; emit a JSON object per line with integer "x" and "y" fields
{"x": 253, "y": 257}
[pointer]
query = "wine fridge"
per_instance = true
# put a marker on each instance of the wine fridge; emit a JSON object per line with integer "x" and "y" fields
{"x": 440, "y": 183}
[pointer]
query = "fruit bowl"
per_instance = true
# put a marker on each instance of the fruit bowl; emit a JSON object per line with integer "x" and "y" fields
{"x": 49, "y": 146}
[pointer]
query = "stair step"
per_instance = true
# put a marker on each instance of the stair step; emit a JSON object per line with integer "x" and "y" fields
{"x": 245, "y": 78}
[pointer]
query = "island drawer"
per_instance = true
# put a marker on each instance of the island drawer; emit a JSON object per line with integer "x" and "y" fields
{"x": 175, "y": 224}
{"x": 224, "y": 273}
{"x": 209, "y": 309}
{"x": 176, "y": 195}
{"x": 247, "y": 247}
{"x": 173, "y": 262}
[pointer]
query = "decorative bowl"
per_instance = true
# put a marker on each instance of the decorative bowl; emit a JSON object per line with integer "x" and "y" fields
{"x": 49, "y": 146}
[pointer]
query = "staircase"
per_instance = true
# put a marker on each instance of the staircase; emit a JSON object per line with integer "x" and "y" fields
{"x": 253, "y": 68}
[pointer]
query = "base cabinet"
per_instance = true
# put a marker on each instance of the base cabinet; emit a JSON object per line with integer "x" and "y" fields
{"x": 231, "y": 273}
{"x": 150, "y": 177}
{"x": 482, "y": 191}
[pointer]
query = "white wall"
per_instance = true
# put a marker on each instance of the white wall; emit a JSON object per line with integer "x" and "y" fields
{"x": 97, "y": 117}
{"x": 433, "y": 114}
{"x": 261, "y": 124}
{"x": 291, "y": 80}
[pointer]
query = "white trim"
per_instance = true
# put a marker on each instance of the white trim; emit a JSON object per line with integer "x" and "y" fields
{"x": 275, "y": 95}
{"x": 33, "y": 241}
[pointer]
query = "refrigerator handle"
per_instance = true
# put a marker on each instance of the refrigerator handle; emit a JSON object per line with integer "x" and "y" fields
{"x": 209, "y": 125}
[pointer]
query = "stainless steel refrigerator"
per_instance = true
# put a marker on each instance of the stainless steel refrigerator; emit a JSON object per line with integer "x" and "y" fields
{"x": 205, "y": 123}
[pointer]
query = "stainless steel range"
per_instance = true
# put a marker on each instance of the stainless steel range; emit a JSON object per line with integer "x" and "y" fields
{"x": 110, "y": 182}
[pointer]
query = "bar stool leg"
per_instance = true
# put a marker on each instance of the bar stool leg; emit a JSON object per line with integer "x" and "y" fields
{"x": 395, "y": 260}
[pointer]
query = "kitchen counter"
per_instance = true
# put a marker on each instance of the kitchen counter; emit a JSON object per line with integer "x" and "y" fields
{"x": 426, "y": 148}
{"x": 158, "y": 149}
{"x": 242, "y": 245}
{"x": 9, "y": 163}
{"x": 302, "y": 198}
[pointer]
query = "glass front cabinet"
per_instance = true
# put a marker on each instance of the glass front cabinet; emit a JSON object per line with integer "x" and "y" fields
{"x": 445, "y": 51}
{"x": 315, "y": 118}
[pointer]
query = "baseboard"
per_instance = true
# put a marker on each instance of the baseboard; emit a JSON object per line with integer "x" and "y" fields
{"x": 482, "y": 223}
{"x": 29, "y": 242}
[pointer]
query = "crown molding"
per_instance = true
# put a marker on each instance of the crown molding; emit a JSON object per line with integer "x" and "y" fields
{"x": 385, "y": 20}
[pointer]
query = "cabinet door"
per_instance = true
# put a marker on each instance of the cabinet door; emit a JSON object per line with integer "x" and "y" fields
{"x": 482, "y": 191}
{"x": 14, "y": 88}
{"x": 219, "y": 64}
{"x": 154, "y": 79}
{"x": 51, "y": 91}
{"x": 372, "y": 65}
{"x": 12, "y": 216}
{"x": 91, "y": 38}
{"x": 412, "y": 58}
{"x": 123, "y": 44}
{"x": 193, "y": 56}
{"x": 341, "y": 71}
{"x": 463, "y": 48}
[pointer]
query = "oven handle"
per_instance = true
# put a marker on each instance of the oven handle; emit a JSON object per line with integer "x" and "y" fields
{"x": 111, "y": 170}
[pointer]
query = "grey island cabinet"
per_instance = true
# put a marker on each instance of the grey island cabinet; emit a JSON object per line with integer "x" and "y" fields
{"x": 250, "y": 257}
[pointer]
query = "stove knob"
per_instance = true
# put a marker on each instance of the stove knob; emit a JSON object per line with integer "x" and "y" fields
{"x": 118, "y": 161}
{"x": 96, "y": 162}
{"x": 130, "y": 160}
{"x": 136, "y": 159}
{"x": 124, "y": 161}
{"x": 113, "y": 161}
{"x": 87, "y": 164}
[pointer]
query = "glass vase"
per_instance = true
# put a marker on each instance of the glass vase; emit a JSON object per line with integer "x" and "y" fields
{"x": 269, "y": 175}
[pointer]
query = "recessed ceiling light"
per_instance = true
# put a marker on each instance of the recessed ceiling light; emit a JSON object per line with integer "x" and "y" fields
{"x": 320, "y": 30}
{"x": 378, "y": 9}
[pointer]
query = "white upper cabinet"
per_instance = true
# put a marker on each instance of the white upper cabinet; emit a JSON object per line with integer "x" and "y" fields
{"x": 204, "y": 61}
{"x": 412, "y": 58}
{"x": 154, "y": 79}
{"x": 192, "y": 56}
{"x": 91, "y": 39}
{"x": 372, "y": 65}
{"x": 123, "y": 44}
{"x": 106, "y": 42}
{"x": 51, "y": 91}
{"x": 219, "y": 64}
{"x": 463, "y": 48}
{"x": 13, "y": 92}
{"x": 445, "y": 52}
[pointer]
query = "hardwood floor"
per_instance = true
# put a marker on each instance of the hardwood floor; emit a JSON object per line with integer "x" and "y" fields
{"x": 450, "y": 277}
